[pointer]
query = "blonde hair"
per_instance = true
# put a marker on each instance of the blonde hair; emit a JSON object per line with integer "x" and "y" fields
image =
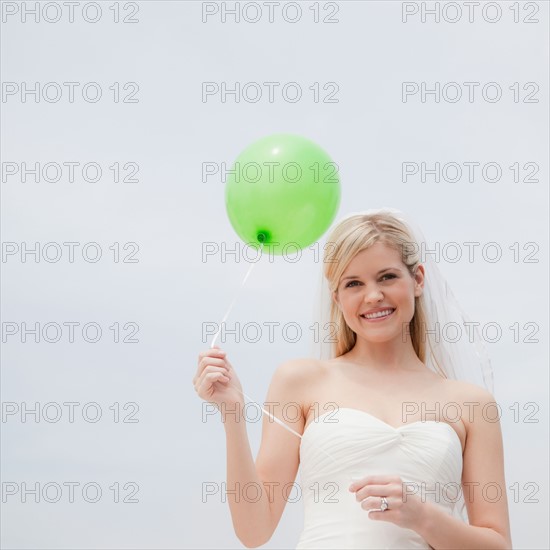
{"x": 353, "y": 235}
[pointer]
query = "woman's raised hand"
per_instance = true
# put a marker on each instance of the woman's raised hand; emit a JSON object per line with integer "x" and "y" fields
{"x": 216, "y": 380}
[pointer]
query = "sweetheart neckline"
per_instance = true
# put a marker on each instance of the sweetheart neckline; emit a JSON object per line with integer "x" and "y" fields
{"x": 389, "y": 426}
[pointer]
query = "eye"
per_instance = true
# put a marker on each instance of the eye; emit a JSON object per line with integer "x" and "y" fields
{"x": 389, "y": 275}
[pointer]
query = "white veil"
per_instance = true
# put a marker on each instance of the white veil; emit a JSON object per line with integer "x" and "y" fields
{"x": 454, "y": 346}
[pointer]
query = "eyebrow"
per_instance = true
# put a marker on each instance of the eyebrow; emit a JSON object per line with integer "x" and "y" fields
{"x": 381, "y": 271}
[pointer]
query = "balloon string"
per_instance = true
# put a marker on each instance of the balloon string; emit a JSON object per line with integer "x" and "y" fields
{"x": 235, "y": 298}
{"x": 219, "y": 330}
{"x": 244, "y": 394}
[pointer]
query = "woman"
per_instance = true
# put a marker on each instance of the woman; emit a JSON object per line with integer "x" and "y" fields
{"x": 395, "y": 438}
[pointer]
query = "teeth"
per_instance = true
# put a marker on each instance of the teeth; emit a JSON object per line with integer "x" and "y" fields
{"x": 378, "y": 314}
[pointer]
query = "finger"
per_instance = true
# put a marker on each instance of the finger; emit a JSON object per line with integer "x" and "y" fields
{"x": 210, "y": 369}
{"x": 211, "y": 352}
{"x": 205, "y": 362}
{"x": 374, "y": 490}
{"x": 370, "y": 480}
{"x": 198, "y": 379}
{"x": 215, "y": 361}
{"x": 370, "y": 503}
{"x": 374, "y": 504}
{"x": 379, "y": 515}
{"x": 207, "y": 381}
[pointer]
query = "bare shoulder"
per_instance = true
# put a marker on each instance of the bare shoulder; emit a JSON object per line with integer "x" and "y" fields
{"x": 475, "y": 402}
{"x": 472, "y": 392}
{"x": 295, "y": 378}
{"x": 299, "y": 370}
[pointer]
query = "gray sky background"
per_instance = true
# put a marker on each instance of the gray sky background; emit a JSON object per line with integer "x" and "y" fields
{"x": 170, "y": 213}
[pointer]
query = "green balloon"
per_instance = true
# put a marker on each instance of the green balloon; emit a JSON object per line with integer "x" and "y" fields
{"x": 283, "y": 191}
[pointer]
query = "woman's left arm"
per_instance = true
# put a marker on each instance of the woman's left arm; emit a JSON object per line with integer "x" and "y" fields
{"x": 483, "y": 486}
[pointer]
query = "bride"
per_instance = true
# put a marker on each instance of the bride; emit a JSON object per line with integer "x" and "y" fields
{"x": 395, "y": 434}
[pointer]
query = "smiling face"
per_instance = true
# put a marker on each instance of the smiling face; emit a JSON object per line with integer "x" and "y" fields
{"x": 376, "y": 293}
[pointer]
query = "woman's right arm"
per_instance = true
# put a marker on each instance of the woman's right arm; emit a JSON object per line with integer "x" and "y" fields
{"x": 247, "y": 497}
{"x": 274, "y": 472}
{"x": 257, "y": 492}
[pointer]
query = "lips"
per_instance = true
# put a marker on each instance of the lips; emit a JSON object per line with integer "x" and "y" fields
{"x": 379, "y": 313}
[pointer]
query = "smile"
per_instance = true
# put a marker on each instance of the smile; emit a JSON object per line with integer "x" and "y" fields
{"x": 378, "y": 316}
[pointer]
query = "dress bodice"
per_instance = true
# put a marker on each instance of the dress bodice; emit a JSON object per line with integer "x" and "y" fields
{"x": 348, "y": 443}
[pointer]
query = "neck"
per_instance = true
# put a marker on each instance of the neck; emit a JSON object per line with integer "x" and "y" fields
{"x": 395, "y": 356}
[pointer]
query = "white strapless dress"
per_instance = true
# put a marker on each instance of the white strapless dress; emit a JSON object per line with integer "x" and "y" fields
{"x": 339, "y": 445}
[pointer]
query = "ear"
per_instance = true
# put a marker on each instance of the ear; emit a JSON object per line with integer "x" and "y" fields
{"x": 419, "y": 280}
{"x": 335, "y": 298}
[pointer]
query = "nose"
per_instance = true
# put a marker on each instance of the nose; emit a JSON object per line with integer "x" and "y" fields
{"x": 372, "y": 295}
